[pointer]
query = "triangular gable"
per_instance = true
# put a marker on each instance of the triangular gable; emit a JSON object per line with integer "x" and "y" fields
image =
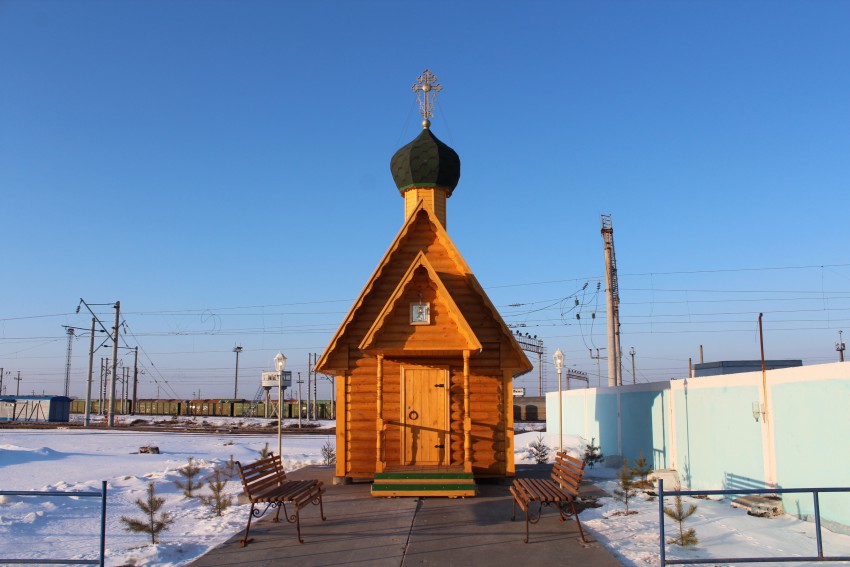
{"x": 471, "y": 341}
{"x": 324, "y": 361}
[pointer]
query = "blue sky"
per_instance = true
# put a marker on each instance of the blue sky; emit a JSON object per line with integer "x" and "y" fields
{"x": 222, "y": 169}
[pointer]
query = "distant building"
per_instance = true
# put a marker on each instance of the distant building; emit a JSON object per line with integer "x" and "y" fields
{"x": 35, "y": 408}
{"x": 738, "y": 366}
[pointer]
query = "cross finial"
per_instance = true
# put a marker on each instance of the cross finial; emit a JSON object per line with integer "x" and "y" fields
{"x": 426, "y": 89}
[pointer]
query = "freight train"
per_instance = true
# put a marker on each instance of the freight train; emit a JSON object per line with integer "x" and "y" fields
{"x": 210, "y": 407}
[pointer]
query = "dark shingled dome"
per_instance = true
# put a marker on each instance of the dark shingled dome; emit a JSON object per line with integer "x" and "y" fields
{"x": 426, "y": 162}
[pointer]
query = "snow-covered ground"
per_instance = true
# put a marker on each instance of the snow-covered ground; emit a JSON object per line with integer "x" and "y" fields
{"x": 78, "y": 460}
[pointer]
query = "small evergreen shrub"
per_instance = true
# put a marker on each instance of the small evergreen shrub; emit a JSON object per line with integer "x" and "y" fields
{"x": 230, "y": 469}
{"x": 538, "y": 450}
{"x": 627, "y": 488}
{"x": 151, "y": 525}
{"x": 592, "y": 454}
{"x": 188, "y": 484}
{"x": 680, "y": 514}
{"x": 265, "y": 451}
{"x": 218, "y": 501}
{"x": 642, "y": 469}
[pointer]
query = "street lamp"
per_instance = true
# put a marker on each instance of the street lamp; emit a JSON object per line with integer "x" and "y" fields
{"x": 279, "y": 364}
{"x": 558, "y": 357}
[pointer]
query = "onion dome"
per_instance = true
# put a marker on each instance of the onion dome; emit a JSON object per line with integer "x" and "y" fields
{"x": 426, "y": 162}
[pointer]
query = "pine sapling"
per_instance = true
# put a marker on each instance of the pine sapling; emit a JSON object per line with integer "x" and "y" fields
{"x": 218, "y": 501}
{"x": 627, "y": 488}
{"x": 229, "y": 468}
{"x": 642, "y": 469}
{"x": 265, "y": 452}
{"x": 189, "y": 472}
{"x": 539, "y": 450}
{"x": 152, "y": 524}
{"x": 592, "y": 454}
{"x": 680, "y": 514}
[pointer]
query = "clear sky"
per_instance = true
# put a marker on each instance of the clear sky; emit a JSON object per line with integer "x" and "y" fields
{"x": 222, "y": 169}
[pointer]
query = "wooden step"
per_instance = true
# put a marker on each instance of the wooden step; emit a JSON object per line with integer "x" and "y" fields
{"x": 444, "y": 484}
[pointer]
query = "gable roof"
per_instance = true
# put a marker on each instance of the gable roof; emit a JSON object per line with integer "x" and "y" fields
{"x": 470, "y": 340}
{"x": 328, "y": 361}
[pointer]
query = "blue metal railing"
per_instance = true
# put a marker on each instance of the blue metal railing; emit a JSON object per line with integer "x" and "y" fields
{"x": 814, "y": 491}
{"x": 40, "y": 561}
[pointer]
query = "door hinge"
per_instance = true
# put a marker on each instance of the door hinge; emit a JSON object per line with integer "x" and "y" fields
{"x": 439, "y": 446}
{"x": 439, "y": 385}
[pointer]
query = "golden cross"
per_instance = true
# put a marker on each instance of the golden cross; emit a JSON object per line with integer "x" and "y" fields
{"x": 426, "y": 89}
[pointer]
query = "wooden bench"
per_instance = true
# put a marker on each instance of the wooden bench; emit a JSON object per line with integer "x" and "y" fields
{"x": 561, "y": 489}
{"x": 265, "y": 482}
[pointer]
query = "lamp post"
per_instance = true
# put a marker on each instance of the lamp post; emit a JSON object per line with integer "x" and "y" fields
{"x": 558, "y": 357}
{"x": 279, "y": 364}
{"x": 237, "y": 350}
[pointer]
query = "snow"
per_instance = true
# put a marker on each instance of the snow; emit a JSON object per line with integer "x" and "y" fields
{"x": 77, "y": 460}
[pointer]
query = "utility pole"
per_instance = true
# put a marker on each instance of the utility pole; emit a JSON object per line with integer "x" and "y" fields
{"x": 612, "y": 302}
{"x": 18, "y": 388}
{"x": 1, "y": 381}
{"x": 632, "y": 353}
{"x": 299, "y": 399}
{"x": 114, "y": 337}
{"x": 237, "y": 350}
{"x": 309, "y": 388}
{"x": 114, "y": 377}
{"x": 101, "y": 394}
{"x": 700, "y": 354}
{"x": 70, "y": 331}
{"x": 597, "y": 358}
{"x": 315, "y": 388}
{"x": 839, "y": 346}
{"x": 125, "y": 389}
{"x": 135, "y": 380}
{"x": 88, "y": 382}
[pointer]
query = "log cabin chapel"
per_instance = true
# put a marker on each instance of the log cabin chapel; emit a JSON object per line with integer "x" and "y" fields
{"x": 423, "y": 361}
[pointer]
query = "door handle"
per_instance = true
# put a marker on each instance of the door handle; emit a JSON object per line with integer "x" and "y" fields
{"x": 413, "y": 416}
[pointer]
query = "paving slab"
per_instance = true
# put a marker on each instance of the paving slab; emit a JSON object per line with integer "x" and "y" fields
{"x": 363, "y": 530}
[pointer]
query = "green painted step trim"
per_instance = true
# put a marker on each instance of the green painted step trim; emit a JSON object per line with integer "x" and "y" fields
{"x": 412, "y": 475}
{"x": 423, "y": 487}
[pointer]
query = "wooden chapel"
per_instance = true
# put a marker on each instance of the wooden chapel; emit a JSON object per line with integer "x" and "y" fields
{"x": 423, "y": 361}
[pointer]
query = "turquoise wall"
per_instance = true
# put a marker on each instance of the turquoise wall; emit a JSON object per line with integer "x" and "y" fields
{"x": 574, "y": 414}
{"x": 604, "y": 418}
{"x": 812, "y": 433}
{"x": 718, "y": 442}
{"x": 707, "y": 432}
{"x": 644, "y": 427}
{"x": 592, "y": 414}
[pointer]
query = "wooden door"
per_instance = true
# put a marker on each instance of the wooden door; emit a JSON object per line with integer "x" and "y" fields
{"x": 425, "y": 416}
